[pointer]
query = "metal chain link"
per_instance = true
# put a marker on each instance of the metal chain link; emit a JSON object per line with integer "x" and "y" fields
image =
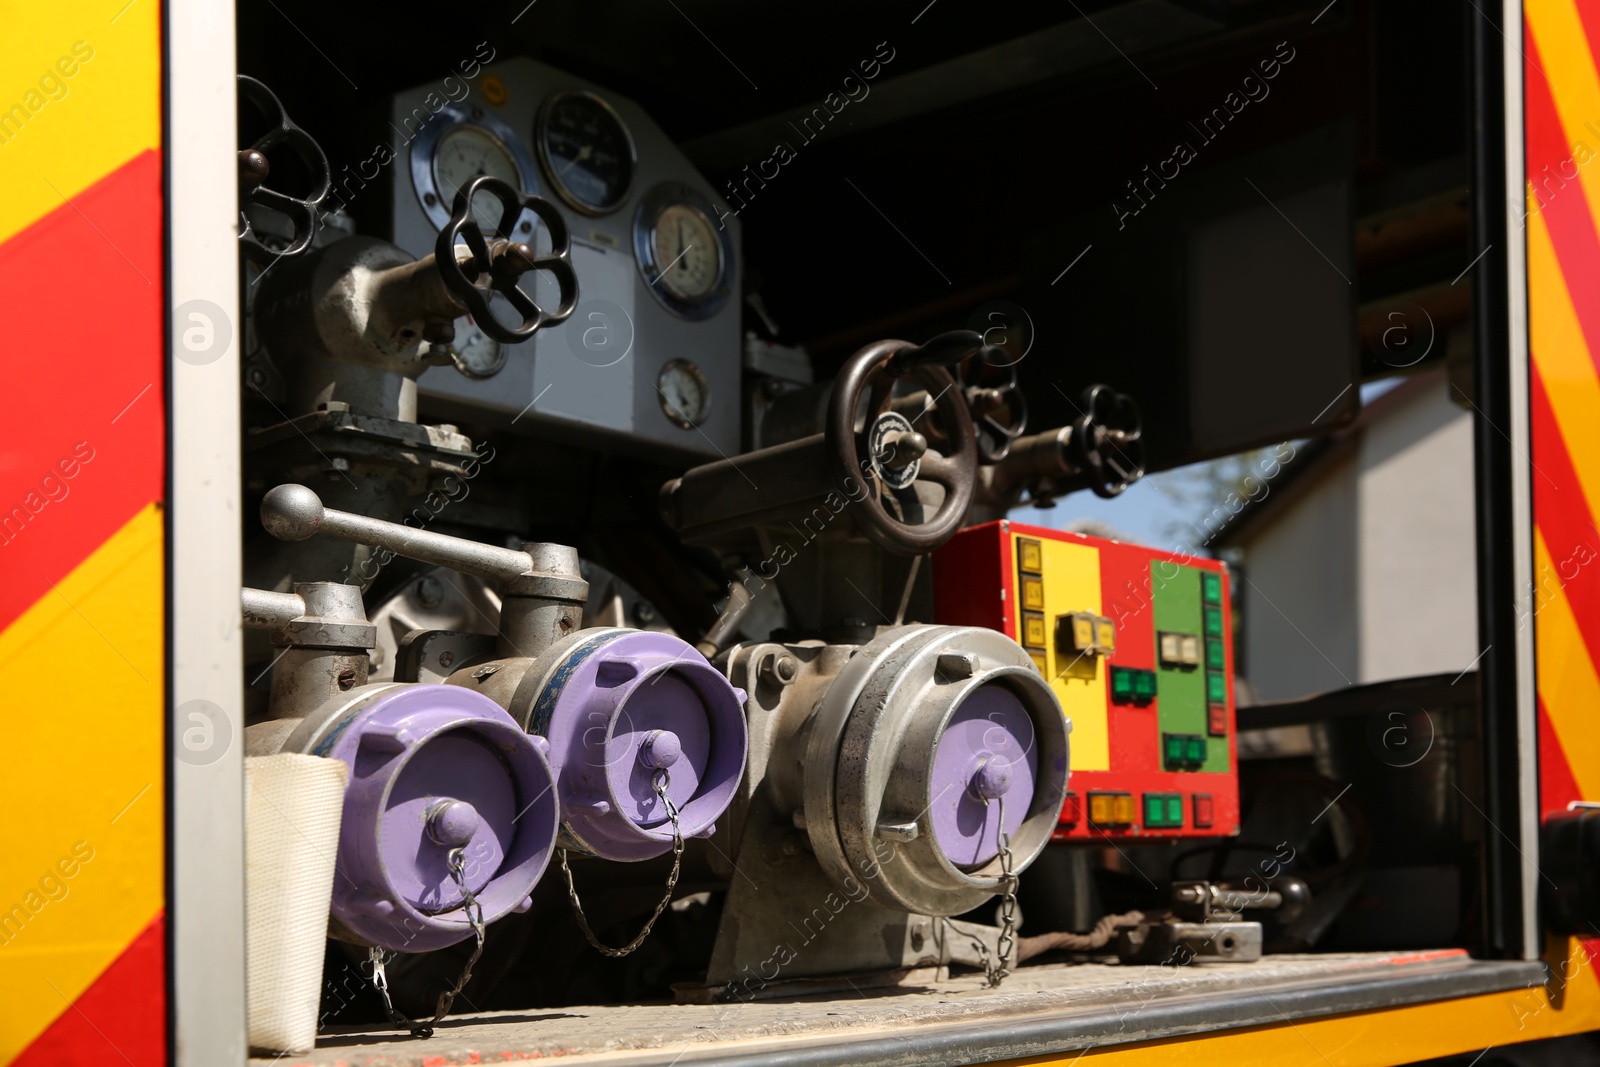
{"x": 998, "y": 970}
{"x": 1008, "y": 905}
{"x": 660, "y": 782}
{"x": 379, "y": 958}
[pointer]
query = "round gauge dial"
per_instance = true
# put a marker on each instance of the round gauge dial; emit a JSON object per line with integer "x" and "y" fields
{"x": 685, "y": 393}
{"x": 476, "y": 354}
{"x": 688, "y": 251}
{"x": 463, "y": 153}
{"x": 586, "y": 150}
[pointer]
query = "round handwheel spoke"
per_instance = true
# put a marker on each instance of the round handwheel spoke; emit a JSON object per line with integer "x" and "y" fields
{"x": 892, "y": 450}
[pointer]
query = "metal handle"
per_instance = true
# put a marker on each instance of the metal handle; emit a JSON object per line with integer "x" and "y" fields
{"x": 267, "y": 610}
{"x": 294, "y": 513}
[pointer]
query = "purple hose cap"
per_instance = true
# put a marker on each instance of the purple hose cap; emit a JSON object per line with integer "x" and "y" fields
{"x": 986, "y": 757}
{"x": 436, "y": 768}
{"x": 625, "y": 710}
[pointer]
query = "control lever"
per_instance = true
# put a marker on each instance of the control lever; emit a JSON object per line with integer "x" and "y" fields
{"x": 945, "y": 350}
{"x": 544, "y": 593}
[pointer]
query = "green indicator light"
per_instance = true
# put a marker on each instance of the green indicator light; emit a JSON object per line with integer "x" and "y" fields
{"x": 1174, "y": 810}
{"x": 1194, "y": 751}
{"x": 1172, "y": 750}
{"x": 1121, "y": 684}
{"x": 1211, "y": 587}
{"x": 1216, "y": 688}
{"x": 1214, "y": 658}
{"x": 1213, "y": 622}
{"x": 1144, "y": 685}
{"x": 1155, "y": 810}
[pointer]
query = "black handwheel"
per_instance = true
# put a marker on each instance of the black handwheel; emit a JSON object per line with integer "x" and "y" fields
{"x": 999, "y": 410}
{"x": 278, "y": 156}
{"x": 501, "y": 263}
{"x": 1106, "y": 441}
{"x": 885, "y": 449}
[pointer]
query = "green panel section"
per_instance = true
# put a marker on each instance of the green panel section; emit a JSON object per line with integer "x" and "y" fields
{"x": 1178, "y": 607}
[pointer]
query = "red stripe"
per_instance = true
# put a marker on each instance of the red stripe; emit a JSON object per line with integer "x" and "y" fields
{"x": 1554, "y": 169}
{"x": 120, "y": 1018}
{"x": 1589, "y": 15}
{"x": 86, "y": 380}
{"x": 1557, "y": 786}
{"x": 1565, "y": 518}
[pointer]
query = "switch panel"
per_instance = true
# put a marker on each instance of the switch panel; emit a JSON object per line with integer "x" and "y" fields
{"x": 1135, "y": 643}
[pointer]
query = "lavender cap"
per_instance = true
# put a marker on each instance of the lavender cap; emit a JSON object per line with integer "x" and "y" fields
{"x": 436, "y": 767}
{"x": 986, "y": 752}
{"x": 622, "y": 706}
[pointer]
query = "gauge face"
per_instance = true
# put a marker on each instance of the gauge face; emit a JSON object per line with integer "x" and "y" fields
{"x": 586, "y": 150}
{"x": 687, "y": 251}
{"x": 463, "y": 153}
{"x": 685, "y": 394}
{"x": 477, "y": 355}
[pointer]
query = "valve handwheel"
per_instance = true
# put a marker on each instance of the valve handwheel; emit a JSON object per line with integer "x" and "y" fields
{"x": 297, "y": 155}
{"x": 501, "y": 262}
{"x": 885, "y": 449}
{"x": 1106, "y": 441}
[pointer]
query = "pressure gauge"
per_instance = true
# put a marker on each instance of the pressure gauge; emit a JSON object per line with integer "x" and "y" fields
{"x": 687, "y": 247}
{"x": 586, "y": 150}
{"x": 684, "y": 250}
{"x": 684, "y": 392}
{"x": 457, "y": 145}
{"x": 468, "y": 151}
{"x": 475, "y": 353}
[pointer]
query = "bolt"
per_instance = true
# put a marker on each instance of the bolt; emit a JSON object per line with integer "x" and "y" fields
{"x": 644, "y": 613}
{"x": 778, "y": 668}
{"x": 258, "y": 376}
{"x": 954, "y": 666}
{"x": 446, "y": 658}
{"x": 430, "y": 591}
{"x": 347, "y": 678}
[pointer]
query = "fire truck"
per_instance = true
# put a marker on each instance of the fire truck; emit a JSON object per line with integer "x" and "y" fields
{"x": 597, "y": 530}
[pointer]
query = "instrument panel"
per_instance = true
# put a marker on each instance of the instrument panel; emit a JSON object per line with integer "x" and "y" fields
{"x": 651, "y": 356}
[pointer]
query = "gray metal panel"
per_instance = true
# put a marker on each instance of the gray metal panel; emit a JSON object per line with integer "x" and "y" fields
{"x": 206, "y": 913}
{"x": 556, "y": 381}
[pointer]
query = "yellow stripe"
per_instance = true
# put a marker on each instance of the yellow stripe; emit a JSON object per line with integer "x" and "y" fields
{"x": 1563, "y": 359}
{"x": 1564, "y": 54}
{"x": 1380, "y": 1038}
{"x": 59, "y": 133}
{"x": 1567, "y": 679}
{"x": 84, "y": 734}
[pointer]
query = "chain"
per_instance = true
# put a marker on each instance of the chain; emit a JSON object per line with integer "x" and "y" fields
{"x": 998, "y": 970}
{"x": 660, "y": 782}
{"x": 379, "y": 958}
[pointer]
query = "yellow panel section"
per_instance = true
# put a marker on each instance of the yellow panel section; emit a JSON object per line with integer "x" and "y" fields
{"x": 1563, "y": 359}
{"x": 1072, "y": 583}
{"x": 80, "y": 95}
{"x": 1564, "y": 54}
{"x": 82, "y": 874}
{"x": 1468, "y": 1025}
{"x": 1567, "y": 680}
